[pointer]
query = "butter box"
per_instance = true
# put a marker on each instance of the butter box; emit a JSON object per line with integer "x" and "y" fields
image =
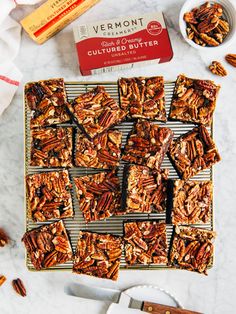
{"x": 52, "y": 16}
{"x": 122, "y": 43}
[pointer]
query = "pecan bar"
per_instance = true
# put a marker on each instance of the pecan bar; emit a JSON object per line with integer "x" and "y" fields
{"x": 145, "y": 189}
{"x": 145, "y": 242}
{"x": 51, "y": 147}
{"x": 47, "y": 102}
{"x": 95, "y": 111}
{"x": 192, "y": 249}
{"x": 98, "y": 255}
{"x": 147, "y": 144}
{"x": 49, "y": 195}
{"x": 191, "y": 202}
{"x": 143, "y": 97}
{"x": 193, "y": 152}
{"x": 194, "y": 100}
{"x": 99, "y": 195}
{"x": 103, "y": 151}
{"x": 48, "y": 245}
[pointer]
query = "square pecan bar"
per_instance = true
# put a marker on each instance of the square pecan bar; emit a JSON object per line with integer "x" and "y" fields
{"x": 103, "y": 151}
{"x": 143, "y": 97}
{"x": 98, "y": 255}
{"x": 49, "y": 195}
{"x": 193, "y": 152}
{"x": 95, "y": 111}
{"x": 144, "y": 190}
{"x": 47, "y": 102}
{"x": 194, "y": 100}
{"x": 145, "y": 242}
{"x": 99, "y": 195}
{"x": 147, "y": 144}
{"x": 51, "y": 147}
{"x": 192, "y": 249}
{"x": 48, "y": 245}
{"x": 192, "y": 202}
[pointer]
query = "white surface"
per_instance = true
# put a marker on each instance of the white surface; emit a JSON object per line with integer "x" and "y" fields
{"x": 212, "y": 294}
{"x": 229, "y": 12}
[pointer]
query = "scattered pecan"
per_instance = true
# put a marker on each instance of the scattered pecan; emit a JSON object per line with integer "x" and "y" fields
{"x": 192, "y": 249}
{"x": 2, "y": 280}
{"x": 48, "y": 245}
{"x": 193, "y": 152}
{"x": 147, "y": 144}
{"x": 4, "y": 239}
{"x": 102, "y": 152}
{"x": 99, "y": 195}
{"x": 51, "y": 147}
{"x": 47, "y": 102}
{"x": 145, "y": 190}
{"x": 95, "y": 111}
{"x": 142, "y": 97}
{"x": 231, "y": 59}
{"x": 145, "y": 242}
{"x": 205, "y": 25}
{"x": 19, "y": 287}
{"x": 217, "y": 68}
{"x": 49, "y": 195}
{"x": 194, "y": 100}
{"x": 192, "y": 202}
{"x": 98, "y": 255}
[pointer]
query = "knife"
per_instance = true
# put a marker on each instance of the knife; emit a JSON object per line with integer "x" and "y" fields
{"x": 116, "y": 296}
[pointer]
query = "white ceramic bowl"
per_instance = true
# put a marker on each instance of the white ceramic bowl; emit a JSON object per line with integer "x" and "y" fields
{"x": 229, "y": 15}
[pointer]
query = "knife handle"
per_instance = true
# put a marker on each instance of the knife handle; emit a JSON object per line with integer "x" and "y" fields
{"x": 155, "y": 308}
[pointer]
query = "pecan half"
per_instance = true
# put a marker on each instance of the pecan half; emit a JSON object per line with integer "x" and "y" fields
{"x": 217, "y": 68}
{"x": 19, "y": 287}
{"x": 231, "y": 59}
{"x": 4, "y": 239}
{"x": 2, "y": 280}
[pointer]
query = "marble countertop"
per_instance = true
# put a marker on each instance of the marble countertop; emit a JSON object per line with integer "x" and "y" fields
{"x": 212, "y": 294}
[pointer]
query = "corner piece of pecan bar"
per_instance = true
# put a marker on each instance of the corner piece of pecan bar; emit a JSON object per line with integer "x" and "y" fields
{"x": 49, "y": 195}
{"x": 48, "y": 245}
{"x": 193, "y": 152}
{"x": 147, "y": 144}
{"x": 104, "y": 151}
{"x": 144, "y": 190}
{"x": 145, "y": 242}
{"x": 47, "y": 101}
{"x": 192, "y": 201}
{"x": 192, "y": 249}
{"x": 143, "y": 97}
{"x": 98, "y": 255}
{"x": 194, "y": 100}
{"x": 51, "y": 147}
{"x": 99, "y": 195}
{"x": 95, "y": 111}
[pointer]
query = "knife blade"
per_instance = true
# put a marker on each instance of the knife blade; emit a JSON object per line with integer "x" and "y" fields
{"x": 123, "y": 299}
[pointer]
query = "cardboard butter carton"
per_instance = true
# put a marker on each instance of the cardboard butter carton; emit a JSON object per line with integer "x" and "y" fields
{"x": 122, "y": 43}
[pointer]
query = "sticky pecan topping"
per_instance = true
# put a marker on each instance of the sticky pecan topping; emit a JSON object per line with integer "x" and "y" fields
{"x": 145, "y": 190}
{"x": 48, "y": 245}
{"x": 98, "y": 255}
{"x": 143, "y": 97}
{"x": 192, "y": 249}
{"x": 19, "y": 287}
{"x": 206, "y": 26}
{"x": 145, "y": 242}
{"x": 51, "y": 147}
{"x": 49, "y": 195}
{"x": 192, "y": 202}
{"x": 47, "y": 102}
{"x": 103, "y": 151}
{"x": 147, "y": 144}
{"x": 95, "y": 111}
{"x": 99, "y": 195}
{"x": 193, "y": 152}
{"x": 194, "y": 100}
